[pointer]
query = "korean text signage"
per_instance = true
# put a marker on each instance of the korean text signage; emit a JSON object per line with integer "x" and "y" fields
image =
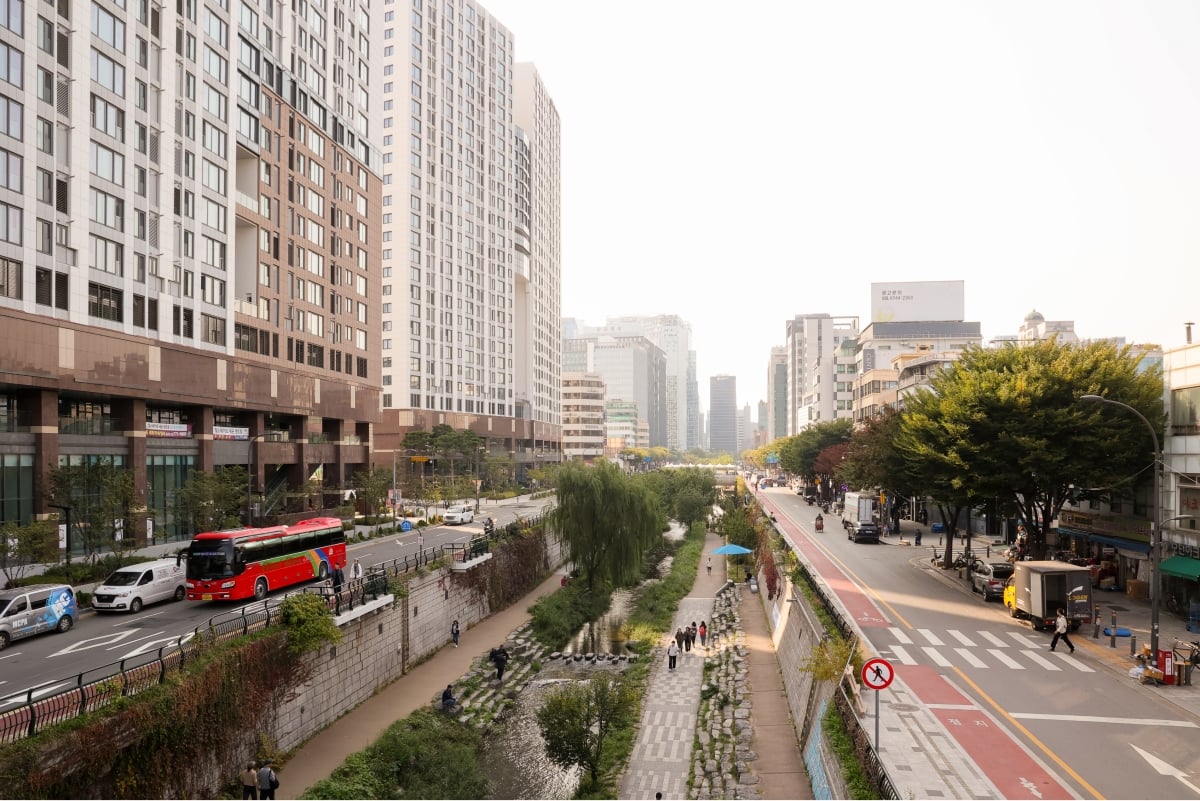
{"x": 169, "y": 430}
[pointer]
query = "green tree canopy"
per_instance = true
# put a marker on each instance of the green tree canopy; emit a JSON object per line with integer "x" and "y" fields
{"x": 607, "y": 520}
{"x": 576, "y": 720}
{"x": 1007, "y": 424}
{"x": 798, "y": 454}
{"x": 213, "y": 501}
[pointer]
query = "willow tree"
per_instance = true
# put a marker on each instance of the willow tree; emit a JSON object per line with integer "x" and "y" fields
{"x": 1006, "y": 425}
{"x": 607, "y": 520}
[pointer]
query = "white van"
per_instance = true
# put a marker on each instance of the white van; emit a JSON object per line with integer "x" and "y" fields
{"x": 133, "y": 586}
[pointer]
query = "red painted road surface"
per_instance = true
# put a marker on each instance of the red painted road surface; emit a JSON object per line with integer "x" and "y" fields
{"x": 1012, "y": 769}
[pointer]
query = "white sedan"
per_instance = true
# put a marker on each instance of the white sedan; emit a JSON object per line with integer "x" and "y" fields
{"x": 457, "y": 515}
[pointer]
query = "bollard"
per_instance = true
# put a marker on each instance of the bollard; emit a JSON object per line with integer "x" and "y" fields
{"x": 1112, "y": 632}
{"x": 989, "y": 551}
{"x": 1096, "y": 619}
{"x": 1133, "y": 645}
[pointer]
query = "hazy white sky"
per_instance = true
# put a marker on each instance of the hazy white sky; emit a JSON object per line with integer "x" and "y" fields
{"x": 738, "y": 164}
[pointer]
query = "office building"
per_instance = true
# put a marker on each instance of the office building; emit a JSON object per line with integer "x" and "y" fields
{"x": 583, "y": 434}
{"x": 471, "y": 235}
{"x": 633, "y": 369}
{"x": 777, "y": 394}
{"x": 820, "y": 375}
{"x": 723, "y": 415}
{"x": 190, "y": 256}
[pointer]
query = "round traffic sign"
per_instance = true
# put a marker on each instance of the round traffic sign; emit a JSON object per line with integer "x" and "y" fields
{"x": 877, "y": 673}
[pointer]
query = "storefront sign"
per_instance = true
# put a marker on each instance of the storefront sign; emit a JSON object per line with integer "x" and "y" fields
{"x": 169, "y": 430}
{"x": 231, "y": 432}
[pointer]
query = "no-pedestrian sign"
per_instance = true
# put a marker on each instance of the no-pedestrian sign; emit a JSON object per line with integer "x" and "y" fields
{"x": 877, "y": 673}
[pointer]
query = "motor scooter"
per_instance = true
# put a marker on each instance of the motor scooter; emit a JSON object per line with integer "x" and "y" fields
{"x": 819, "y": 523}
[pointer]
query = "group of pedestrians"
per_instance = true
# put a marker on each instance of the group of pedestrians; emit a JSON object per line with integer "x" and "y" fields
{"x": 260, "y": 783}
{"x": 685, "y": 638}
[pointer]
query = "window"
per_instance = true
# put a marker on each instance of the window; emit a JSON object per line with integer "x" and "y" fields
{"x": 12, "y": 115}
{"x": 10, "y": 279}
{"x": 108, "y": 73}
{"x": 11, "y": 218}
{"x": 108, "y": 28}
{"x": 108, "y": 164}
{"x": 105, "y": 302}
{"x": 108, "y": 118}
{"x": 107, "y": 256}
{"x": 107, "y": 209}
{"x": 212, "y": 329}
{"x": 44, "y": 136}
{"x": 12, "y": 15}
{"x": 11, "y": 170}
{"x": 12, "y": 65}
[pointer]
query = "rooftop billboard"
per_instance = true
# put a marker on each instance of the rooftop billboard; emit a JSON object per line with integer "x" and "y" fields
{"x": 917, "y": 301}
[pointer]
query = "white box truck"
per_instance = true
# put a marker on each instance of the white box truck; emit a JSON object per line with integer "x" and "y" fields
{"x": 858, "y": 506}
{"x": 1037, "y": 590}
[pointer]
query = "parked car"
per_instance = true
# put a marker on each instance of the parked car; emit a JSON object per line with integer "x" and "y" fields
{"x": 988, "y": 577}
{"x": 457, "y": 515}
{"x": 131, "y": 587}
{"x": 863, "y": 531}
{"x": 38, "y": 608}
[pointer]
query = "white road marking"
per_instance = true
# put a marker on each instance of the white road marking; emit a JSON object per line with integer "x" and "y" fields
{"x": 929, "y": 635}
{"x": 936, "y": 656}
{"x": 901, "y": 636}
{"x": 129, "y": 620}
{"x": 1181, "y": 724}
{"x": 964, "y": 639}
{"x": 153, "y": 645}
{"x": 902, "y": 655}
{"x": 1026, "y": 641}
{"x": 958, "y": 707}
{"x": 1041, "y": 660}
{"x": 966, "y": 654}
{"x": 94, "y": 642}
{"x": 1079, "y": 665}
{"x": 11, "y": 654}
{"x": 1014, "y": 665}
{"x": 993, "y": 639}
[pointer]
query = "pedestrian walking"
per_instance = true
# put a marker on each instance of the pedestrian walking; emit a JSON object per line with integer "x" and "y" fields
{"x": 672, "y": 655}
{"x": 454, "y": 633}
{"x": 679, "y": 637}
{"x": 703, "y": 632}
{"x": 250, "y": 782}
{"x": 499, "y": 656}
{"x": 268, "y": 781}
{"x": 709, "y": 566}
{"x": 1060, "y": 631}
{"x": 339, "y": 578}
{"x": 356, "y": 572}
{"x": 689, "y": 637}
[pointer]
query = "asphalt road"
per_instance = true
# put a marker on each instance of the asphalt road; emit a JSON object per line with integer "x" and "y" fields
{"x": 1038, "y": 724}
{"x": 51, "y": 662}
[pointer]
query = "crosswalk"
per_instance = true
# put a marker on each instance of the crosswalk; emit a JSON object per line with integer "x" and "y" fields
{"x": 979, "y": 649}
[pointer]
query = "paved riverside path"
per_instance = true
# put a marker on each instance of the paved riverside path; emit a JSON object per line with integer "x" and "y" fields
{"x": 325, "y": 751}
{"x": 662, "y": 755}
{"x": 780, "y": 764}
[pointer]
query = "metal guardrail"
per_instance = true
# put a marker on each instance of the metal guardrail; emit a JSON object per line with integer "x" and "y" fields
{"x": 33, "y": 710}
{"x": 872, "y": 766}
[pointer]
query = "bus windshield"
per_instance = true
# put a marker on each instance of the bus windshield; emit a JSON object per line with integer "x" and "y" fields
{"x": 210, "y": 560}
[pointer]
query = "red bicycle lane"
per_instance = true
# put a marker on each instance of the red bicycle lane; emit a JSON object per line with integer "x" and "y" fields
{"x": 1012, "y": 769}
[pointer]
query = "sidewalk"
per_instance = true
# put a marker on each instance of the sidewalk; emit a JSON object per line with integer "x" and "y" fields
{"x": 354, "y": 731}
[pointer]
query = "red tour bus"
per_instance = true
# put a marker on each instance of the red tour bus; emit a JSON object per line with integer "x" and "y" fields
{"x": 250, "y": 562}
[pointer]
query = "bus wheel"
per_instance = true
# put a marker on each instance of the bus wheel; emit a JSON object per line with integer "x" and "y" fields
{"x": 322, "y": 571}
{"x": 260, "y": 589}
{"x": 65, "y": 623}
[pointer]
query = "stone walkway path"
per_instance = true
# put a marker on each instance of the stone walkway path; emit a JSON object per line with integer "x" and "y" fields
{"x": 662, "y": 755}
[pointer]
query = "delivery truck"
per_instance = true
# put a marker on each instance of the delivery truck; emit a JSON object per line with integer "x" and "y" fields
{"x": 1037, "y": 590}
{"x": 858, "y": 507}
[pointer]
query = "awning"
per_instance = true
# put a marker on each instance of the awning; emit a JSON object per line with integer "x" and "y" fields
{"x": 1181, "y": 566}
{"x": 1116, "y": 542}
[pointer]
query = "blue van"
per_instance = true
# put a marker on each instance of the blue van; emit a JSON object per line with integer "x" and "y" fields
{"x": 38, "y": 608}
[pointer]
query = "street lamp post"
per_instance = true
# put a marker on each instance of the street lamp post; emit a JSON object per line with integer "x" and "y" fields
{"x": 1156, "y": 530}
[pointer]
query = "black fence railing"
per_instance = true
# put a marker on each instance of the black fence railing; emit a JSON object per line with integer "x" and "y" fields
{"x": 876, "y": 774}
{"x": 25, "y": 713}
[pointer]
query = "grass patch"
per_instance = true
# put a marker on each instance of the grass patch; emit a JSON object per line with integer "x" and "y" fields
{"x": 834, "y": 728}
{"x": 426, "y": 755}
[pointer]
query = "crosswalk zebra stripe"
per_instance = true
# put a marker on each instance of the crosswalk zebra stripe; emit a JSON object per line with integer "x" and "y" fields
{"x": 1073, "y": 662}
{"x": 996, "y": 652}
{"x": 901, "y": 636}
{"x": 1025, "y": 640}
{"x": 1041, "y": 660}
{"x": 936, "y": 656}
{"x": 902, "y": 655}
{"x": 993, "y": 639}
{"x": 958, "y": 635}
{"x": 970, "y": 657}
{"x": 929, "y": 635}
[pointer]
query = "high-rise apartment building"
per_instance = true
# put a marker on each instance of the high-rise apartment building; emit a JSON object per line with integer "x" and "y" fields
{"x": 777, "y": 394}
{"x": 471, "y": 231}
{"x": 723, "y": 415}
{"x": 820, "y": 385}
{"x": 189, "y": 246}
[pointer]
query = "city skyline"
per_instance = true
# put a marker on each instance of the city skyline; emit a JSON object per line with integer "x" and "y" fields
{"x": 1041, "y": 155}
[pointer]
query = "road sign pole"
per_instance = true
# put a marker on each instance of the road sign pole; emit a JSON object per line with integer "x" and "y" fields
{"x": 877, "y": 674}
{"x": 877, "y": 721}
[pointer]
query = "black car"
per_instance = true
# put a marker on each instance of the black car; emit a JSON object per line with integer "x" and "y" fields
{"x": 863, "y": 531}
